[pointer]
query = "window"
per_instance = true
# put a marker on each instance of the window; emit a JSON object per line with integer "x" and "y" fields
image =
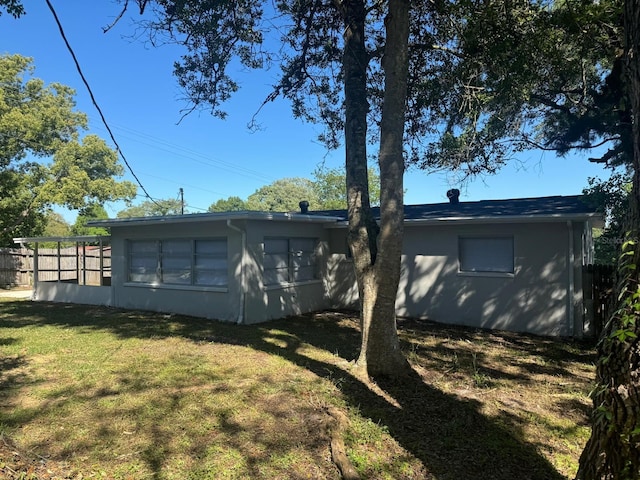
{"x": 486, "y": 254}
{"x": 175, "y": 262}
{"x": 289, "y": 260}
{"x": 210, "y": 263}
{"x": 143, "y": 261}
{"x": 178, "y": 262}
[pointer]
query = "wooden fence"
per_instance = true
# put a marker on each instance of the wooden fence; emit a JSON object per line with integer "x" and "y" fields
{"x": 598, "y": 288}
{"x": 82, "y": 264}
{"x": 16, "y": 267}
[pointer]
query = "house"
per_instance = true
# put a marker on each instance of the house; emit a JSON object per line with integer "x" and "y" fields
{"x": 504, "y": 264}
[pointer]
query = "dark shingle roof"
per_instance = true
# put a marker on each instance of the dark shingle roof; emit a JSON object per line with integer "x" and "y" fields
{"x": 556, "y": 206}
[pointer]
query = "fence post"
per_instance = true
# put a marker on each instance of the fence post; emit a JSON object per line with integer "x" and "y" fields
{"x": 84, "y": 262}
{"x": 35, "y": 265}
{"x": 589, "y": 321}
{"x": 598, "y": 289}
{"x": 101, "y": 262}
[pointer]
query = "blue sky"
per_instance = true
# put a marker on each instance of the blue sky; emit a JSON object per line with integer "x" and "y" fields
{"x": 211, "y": 158}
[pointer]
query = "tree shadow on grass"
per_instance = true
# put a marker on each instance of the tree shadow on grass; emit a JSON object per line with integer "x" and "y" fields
{"x": 449, "y": 435}
{"x": 12, "y": 375}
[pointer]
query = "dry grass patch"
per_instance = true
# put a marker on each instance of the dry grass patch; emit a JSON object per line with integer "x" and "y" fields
{"x": 98, "y": 393}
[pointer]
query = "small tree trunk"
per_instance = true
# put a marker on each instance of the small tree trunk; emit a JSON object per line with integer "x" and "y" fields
{"x": 613, "y": 450}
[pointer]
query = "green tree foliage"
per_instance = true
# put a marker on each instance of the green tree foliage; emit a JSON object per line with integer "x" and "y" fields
{"x": 536, "y": 74}
{"x": 83, "y": 173}
{"x": 43, "y": 162}
{"x": 330, "y": 186}
{"x": 12, "y": 7}
{"x": 611, "y": 198}
{"x": 56, "y": 225}
{"x": 283, "y": 195}
{"x": 86, "y": 214}
{"x": 17, "y": 219}
{"x": 231, "y": 204}
{"x": 153, "y": 208}
{"x": 326, "y": 191}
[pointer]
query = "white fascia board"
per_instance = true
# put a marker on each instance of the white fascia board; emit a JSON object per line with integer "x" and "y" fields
{"x": 205, "y": 217}
{"x": 80, "y": 238}
{"x": 561, "y": 217}
{"x": 596, "y": 218}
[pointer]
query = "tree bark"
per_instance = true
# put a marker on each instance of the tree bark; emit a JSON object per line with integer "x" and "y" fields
{"x": 363, "y": 229}
{"x": 613, "y": 450}
{"x": 377, "y": 250}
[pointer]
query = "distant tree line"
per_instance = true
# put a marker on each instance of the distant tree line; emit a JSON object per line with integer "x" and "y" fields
{"x": 326, "y": 191}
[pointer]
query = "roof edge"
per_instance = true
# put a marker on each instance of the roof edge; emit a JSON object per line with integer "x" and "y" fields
{"x": 216, "y": 216}
{"x": 542, "y": 218}
{"x": 77, "y": 238}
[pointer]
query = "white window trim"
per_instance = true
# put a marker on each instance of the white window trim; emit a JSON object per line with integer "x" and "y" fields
{"x": 173, "y": 286}
{"x": 284, "y": 286}
{"x": 463, "y": 273}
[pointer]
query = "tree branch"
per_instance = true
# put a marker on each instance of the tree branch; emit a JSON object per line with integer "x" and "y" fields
{"x": 551, "y": 104}
{"x": 112, "y": 24}
{"x": 441, "y": 48}
{"x": 582, "y": 146}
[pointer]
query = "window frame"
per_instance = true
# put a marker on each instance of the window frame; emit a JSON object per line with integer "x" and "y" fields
{"x": 293, "y": 266}
{"x": 189, "y": 258}
{"x": 508, "y": 258}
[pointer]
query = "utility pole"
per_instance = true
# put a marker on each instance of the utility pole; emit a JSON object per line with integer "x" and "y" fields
{"x": 181, "y": 201}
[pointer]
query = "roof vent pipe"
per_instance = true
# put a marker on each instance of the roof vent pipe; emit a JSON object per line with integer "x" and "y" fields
{"x": 304, "y": 206}
{"x": 454, "y": 196}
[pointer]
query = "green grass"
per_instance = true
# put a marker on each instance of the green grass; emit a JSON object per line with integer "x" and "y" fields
{"x": 89, "y": 392}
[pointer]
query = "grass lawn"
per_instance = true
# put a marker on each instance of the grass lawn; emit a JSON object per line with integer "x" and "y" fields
{"x": 89, "y": 392}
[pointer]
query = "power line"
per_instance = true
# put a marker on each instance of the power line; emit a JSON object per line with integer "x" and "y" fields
{"x": 93, "y": 100}
{"x": 34, "y": 145}
{"x": 186, "y": 205}
{"x": 173, "y": 181}
{"x": 189, "y": 154}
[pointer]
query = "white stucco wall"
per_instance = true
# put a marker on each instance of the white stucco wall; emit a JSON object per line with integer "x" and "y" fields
{"x": 245, "y": 298}
{"x": 543, "y": 295}
{"x": 214, "y": 303}
{"x": 277, "y": 301}
{"x": 535, "y": 299}
{"x": 73, "y": 293}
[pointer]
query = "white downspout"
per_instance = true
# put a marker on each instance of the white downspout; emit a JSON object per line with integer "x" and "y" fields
{"x": 242, "y": 276}
{"x": 571, "y": 280}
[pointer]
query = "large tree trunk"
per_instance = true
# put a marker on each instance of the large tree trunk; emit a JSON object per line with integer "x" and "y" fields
{"x": 376, "y": 251}
{"x": 363, "y": 229}
{"x": 613, "y": 450}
